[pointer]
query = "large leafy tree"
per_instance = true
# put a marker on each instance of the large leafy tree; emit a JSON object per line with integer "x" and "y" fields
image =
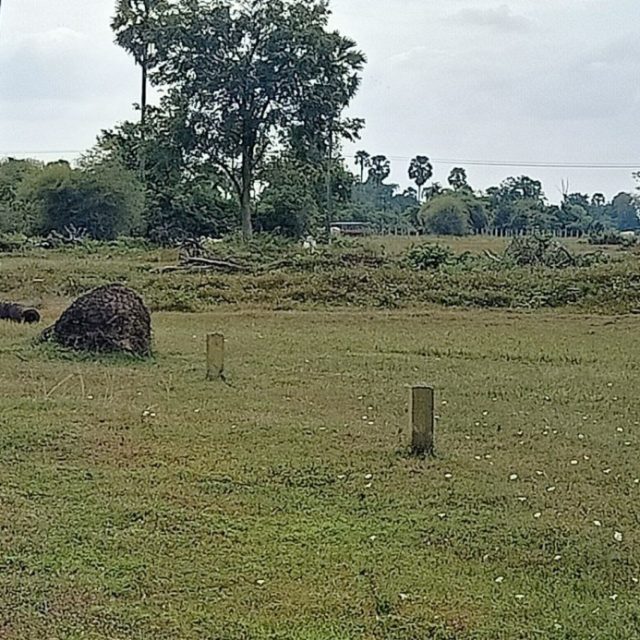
{"x": 420, "y": 171}
{"x": 251, "y": 76}
{"x": 184, "y": 197}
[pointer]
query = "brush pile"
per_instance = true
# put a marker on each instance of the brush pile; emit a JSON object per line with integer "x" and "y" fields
{"x": 106, "y": 320}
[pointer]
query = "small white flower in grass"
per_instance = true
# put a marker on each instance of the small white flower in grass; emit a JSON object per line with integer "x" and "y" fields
{"x": 636, "y": 481}
{"x": 89, "y": 397}
{"x": 618, "y": 537}
{"x": 499, "y": 579}
{"x": 196, "y": 411}
{"x": 557, "y": 558}
{"x": 260, "y": 582}
{"x": 537, "y": 515}
{"x": 442, "y": 516}
{"x": 403, "y": 596}
{"x": 620, "y": 430}
{"x": 485, "y": 413}
{"x": 522, "y": 499}
{"x": 581, "y": 436}
{"x": 519, "y": 596}
{"x": 574, "y": 462}
{"x": 444, "y": 403}
{"x": 614, "y": 597}
{"x": 152, "y": 415}
{"x": 368, "y": 476}
{"x": 371, "y": 423}
{"x": 555, "y": 432}
{"x": 365, "y": 418}
{"x": 597, "y": 523}
{"x": 545, "y": 433}
{"x": 478, "y": 457}
{"x": 368, "y": 486}
{"x": 587, "y": 458}
{"x": 557, "y": 626}
{"x": 609, "y": 384}
{"x": 448, "y": 476}
{"x": 606, "y": 471}
{"x": 373, "y": 538}
{"x": 146, "y": 414}
{"x": 627, "y": 444}
{"x": 551, "y": 489}
{"x": 635, "y": 580}
{"x": 513, "y": 477}
{"x": 539, "y": 473}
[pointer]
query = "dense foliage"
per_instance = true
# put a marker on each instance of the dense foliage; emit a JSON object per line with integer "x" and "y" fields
{"x": 249, "y": 132}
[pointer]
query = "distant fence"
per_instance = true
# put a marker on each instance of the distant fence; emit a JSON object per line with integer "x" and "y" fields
{"x": 492, "y": 232}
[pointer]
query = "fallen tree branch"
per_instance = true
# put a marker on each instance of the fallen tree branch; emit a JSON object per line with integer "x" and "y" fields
{"x": 214, "y": 264}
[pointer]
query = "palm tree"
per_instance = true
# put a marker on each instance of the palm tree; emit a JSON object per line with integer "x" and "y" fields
{"x": 420, "y": 171}
{"x": 132, "y": 24}
{"x": 363, "y": 160}
{"x": 379, "y": 169}
{"x": 458, "y": 178}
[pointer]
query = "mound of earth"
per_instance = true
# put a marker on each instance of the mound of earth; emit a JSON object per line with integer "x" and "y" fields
{"x": 108, "y": 319}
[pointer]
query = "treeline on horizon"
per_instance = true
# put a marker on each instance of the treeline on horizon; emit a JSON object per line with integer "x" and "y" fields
{"x": 247, "y": 136}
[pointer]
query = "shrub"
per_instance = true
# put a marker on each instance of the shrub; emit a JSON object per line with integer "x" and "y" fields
{"x": 104, "y": 200}
{"x": 446, "y": 216}
{"x": 428, "y": 256}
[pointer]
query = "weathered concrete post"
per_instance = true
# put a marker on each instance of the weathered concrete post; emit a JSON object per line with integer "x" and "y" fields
{"x": 215, "y": 356}
{"x": 422, "y": 412}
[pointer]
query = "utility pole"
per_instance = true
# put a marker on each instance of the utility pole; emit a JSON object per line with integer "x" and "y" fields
{"x": 329, "y": 212}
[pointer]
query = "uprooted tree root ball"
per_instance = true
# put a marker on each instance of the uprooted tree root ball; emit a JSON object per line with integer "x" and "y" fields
{"x": 106, "y": 320}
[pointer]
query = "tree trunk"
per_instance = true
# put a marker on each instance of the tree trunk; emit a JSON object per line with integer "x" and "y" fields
{"x": 143, "y": 93}
{"x": 245, "y": 195}
{"x": 143, "y": 118}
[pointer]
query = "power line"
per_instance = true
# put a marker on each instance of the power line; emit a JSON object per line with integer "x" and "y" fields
{"x": 596, "y": 166}
{"x": 523, "y": 164}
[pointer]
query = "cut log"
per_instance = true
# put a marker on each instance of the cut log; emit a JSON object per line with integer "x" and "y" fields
{"x": 17, "y": 313}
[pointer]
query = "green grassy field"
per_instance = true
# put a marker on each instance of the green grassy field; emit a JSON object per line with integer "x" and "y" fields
{"x": 138, "y": 501}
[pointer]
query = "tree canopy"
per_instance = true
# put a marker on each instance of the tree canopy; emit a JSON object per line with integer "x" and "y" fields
{"x": 250, "y": 78}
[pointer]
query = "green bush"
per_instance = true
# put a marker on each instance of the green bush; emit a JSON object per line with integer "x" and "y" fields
{"x": 428, "y": 256}
{"x": 104, "y": 200}
{"x": 446, "y": 215}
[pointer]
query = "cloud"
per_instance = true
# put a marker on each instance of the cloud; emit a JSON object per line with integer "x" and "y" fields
{"x": 500, "y": 18}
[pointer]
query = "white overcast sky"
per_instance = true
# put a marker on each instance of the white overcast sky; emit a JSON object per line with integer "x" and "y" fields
{"x": 537, "y": 81}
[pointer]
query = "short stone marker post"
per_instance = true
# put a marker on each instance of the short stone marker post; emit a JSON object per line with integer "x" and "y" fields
{"x": 422, "y": 408}
{"x": 215, "y": 356}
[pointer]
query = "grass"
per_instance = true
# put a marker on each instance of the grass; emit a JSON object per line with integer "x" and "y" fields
{"x": 139, "y": 501}
{"x": 339, "y": 278}
{"x": 475, "y": 245}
